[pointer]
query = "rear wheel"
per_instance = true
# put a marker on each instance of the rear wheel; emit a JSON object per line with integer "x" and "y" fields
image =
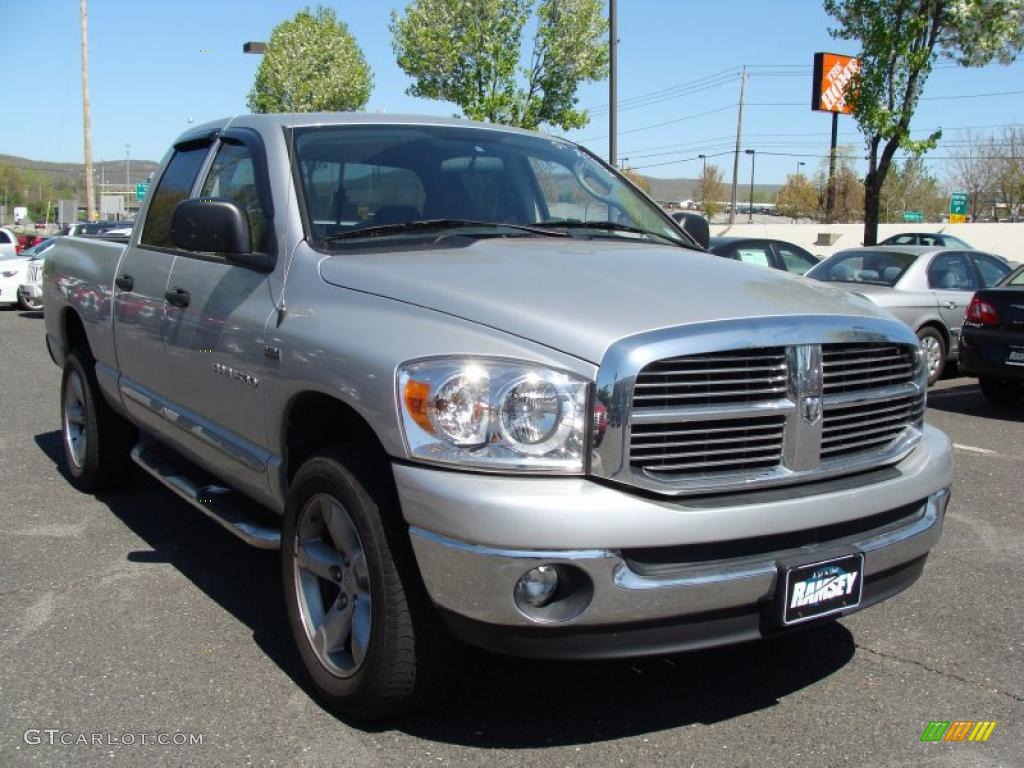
{"x": 933, "y": 348}
{"x": 365, "y": 628}
{"x": 1001, "y": 391}
{"x": 96, "y": 440}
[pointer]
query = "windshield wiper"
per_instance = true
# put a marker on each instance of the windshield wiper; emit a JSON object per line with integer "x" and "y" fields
{"x": 612, "y": 226}
{"x": 428, "y": 225}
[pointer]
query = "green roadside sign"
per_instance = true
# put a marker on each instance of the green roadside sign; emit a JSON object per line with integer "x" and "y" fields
{"x": 958, "y": 203}
{"x": 140, "y": 190}
{"x": 913, "y": 217}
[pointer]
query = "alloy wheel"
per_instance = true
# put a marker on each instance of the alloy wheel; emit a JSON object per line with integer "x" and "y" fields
{"x": 332, "y": 585}
{"x": 74, "y": 419}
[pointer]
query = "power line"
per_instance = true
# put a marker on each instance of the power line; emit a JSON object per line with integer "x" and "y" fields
{"x": 667, "y": 122}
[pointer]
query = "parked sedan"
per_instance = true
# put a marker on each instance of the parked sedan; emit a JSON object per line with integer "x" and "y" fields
{"x": 8, "y": 242}
{"x": 761, "y": 252}
{"x": 936, "y": 239}
{"x": 927, "y": 288}
{"x": 14, "y": 273}
{"x": 992, "y": 342}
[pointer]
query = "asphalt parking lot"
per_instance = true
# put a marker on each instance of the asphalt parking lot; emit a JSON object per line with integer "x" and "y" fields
{"x": 130, "y": 613}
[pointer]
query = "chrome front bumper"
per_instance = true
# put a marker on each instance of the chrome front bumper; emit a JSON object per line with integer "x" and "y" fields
{"x": 477, "y": 582}
{"x": 474, "y": 580}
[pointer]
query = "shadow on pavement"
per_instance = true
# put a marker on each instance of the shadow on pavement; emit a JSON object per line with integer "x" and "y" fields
{"x": 497, "y": 702}
{"x": 967, "y": 400}
{"x": 33, "y": 314}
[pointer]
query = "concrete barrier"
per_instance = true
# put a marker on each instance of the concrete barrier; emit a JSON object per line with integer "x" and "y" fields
{"x": 1004, "y": 239}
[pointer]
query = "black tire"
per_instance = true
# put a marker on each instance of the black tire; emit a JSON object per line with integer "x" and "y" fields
{"x": 409, "y": 658}
{"x": 27, "y": 305}
{"x": 103, "y": 460}
{"x": 931, "y": 341}
{"x": 1000, "y": 391}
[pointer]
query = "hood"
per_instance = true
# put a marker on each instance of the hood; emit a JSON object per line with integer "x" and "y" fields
{"x": 579, "y": 296}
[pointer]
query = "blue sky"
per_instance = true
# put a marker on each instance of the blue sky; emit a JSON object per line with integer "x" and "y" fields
{"x": 149, "y": 74}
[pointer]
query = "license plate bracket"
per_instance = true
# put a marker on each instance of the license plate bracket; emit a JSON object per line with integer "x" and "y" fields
{"x": 821, "y": 588}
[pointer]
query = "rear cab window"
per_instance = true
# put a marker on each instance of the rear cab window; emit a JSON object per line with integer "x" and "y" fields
{"x": 174, "y": 186}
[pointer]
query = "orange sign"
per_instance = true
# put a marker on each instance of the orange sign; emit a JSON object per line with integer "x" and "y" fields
{"x": 832, "y": 73}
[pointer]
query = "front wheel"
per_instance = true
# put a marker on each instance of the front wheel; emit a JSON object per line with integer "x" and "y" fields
{"x": 1000, "y": 391}
{"x": 29, "y": 305}
{"x": 933, "y": 348}
{"x": 365, "y": 628}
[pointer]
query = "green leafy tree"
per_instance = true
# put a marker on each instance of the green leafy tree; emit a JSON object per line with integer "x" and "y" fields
{"x": 900, "y": 41}
{"x": 910, "y": 187}
{"x": 710, "y": 190}
{"x": 798, "y": 198}
{"x": 471, "y": 54}
{"x": 312, "y": 64}
{"x": 638, "y": 179}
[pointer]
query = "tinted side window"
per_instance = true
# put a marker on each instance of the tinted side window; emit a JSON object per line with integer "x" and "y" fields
{"x": 951, "y": 272}
{"x": 991, "y": 270}
{"x": 4, "y": 238}
{"x": 796, "y": 260}
{"x": 903, "y": 240}
{"x": 175, "y": 186}
{"x": 232, "y": 176}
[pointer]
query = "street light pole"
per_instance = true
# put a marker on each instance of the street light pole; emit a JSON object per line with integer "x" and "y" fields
{"x": 704, "y": 170}
{"x": 750, "y": 210}
{"x": 127, "y": 165}
{"x": 799, "y": 166}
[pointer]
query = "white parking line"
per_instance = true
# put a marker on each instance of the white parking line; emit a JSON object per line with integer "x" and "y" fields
{"x": 971, "y": 448}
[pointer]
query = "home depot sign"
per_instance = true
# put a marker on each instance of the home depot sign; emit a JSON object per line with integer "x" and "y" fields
{"x": 832, "y": 73}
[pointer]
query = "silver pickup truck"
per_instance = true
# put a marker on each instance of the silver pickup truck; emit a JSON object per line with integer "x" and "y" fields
{"x": 476, "y": 387}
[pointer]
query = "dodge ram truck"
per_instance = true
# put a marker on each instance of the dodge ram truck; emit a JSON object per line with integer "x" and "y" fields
{"x": 478, "y": 388}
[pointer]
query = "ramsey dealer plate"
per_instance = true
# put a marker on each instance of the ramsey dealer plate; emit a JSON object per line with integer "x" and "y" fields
{"x": 823, "y": 588}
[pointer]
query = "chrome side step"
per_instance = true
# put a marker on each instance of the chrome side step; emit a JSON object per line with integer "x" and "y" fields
{"x": 214, "y": 501}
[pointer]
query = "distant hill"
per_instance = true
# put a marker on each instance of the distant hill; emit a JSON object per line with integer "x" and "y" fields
{"x": 61, "y": 173}
{"x": 686, "y": 189}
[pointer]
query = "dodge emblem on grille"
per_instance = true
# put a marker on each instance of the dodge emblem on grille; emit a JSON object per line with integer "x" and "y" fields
{"x": 811, "y": 409}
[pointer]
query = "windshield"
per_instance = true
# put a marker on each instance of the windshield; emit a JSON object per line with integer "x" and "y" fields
{"x": 862, "y": 266}
{"x": 471, "y": 180}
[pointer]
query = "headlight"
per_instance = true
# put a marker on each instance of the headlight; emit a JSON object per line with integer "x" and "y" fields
{"x": 493, "y": 414}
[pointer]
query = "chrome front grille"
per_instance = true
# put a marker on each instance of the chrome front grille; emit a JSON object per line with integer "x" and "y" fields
{"x": 34, "y": 272}
{"x": 727, "y": 445}
{"x": 857, "y": 427}
{"x": 853, "y": 367}
{"x": 851, "y": 425}
{"x": 734, "y": 418}
{"x": 720, "y": 377}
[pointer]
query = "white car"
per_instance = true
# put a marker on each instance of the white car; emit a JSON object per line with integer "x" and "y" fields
{"x": 14, "y": 272}
{"x": 8, "y": 242}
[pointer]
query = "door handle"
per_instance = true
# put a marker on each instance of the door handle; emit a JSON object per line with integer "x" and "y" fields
{"x": 179, "y": 297}
{"x": 125, "y": 282}
{"x": 950, "y": 305}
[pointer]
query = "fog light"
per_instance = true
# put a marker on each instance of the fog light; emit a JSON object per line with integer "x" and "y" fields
{"x": 538, "y": 586}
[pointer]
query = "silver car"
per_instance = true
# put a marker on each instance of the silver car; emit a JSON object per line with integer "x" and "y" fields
{"x": 928, "y": 288}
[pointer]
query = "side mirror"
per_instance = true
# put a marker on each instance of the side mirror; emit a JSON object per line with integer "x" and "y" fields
{"x": 212, "y": 225}
{"x": 696, "y": 226}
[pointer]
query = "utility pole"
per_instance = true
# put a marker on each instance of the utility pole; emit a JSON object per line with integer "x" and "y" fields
{"x": 90, "y": 199}
{"x": 736, "y": 154}
{"x": 613, "y": 44}
{"x": 127, "y": 164}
